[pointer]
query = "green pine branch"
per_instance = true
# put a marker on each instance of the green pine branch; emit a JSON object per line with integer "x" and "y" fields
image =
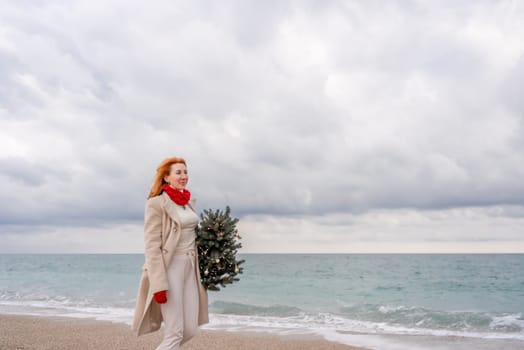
{"x": 218, "y": 242}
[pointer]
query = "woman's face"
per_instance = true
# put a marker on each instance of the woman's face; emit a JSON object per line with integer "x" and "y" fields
{"x": 177, "y": 177}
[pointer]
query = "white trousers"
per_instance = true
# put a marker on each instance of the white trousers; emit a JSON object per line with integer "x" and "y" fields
{"x": 180, "y": 312}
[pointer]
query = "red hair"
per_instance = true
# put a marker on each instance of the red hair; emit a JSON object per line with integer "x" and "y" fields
{"x": 162, "y": 171}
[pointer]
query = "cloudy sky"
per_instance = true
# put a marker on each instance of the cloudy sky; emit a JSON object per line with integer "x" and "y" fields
{"x": 327, "y": 126}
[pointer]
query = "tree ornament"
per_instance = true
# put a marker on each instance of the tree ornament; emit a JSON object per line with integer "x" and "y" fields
{"x": 217, "y": 244}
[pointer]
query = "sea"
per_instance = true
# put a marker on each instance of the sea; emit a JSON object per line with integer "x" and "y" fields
{"x": 378, "y": 301}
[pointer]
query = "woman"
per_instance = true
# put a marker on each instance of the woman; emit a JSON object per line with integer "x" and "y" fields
{"x": 170, "y": 288}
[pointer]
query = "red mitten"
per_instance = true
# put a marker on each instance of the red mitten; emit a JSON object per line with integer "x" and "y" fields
{"x": 160, "y": 297}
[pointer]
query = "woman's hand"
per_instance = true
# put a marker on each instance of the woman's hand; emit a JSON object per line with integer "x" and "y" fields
{"x": 160, "y": 297}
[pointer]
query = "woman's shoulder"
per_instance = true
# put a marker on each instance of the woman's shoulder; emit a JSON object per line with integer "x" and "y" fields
{"x": 155, "y": 201}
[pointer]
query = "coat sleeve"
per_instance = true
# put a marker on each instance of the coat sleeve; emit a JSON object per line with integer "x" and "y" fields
{"x": 153, "y": 247}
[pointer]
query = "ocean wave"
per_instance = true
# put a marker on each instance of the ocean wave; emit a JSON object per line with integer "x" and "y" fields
{"x": 508, "y": 323}
{"x": 46, "y": 298}
{"x": 66, "y": 308}
{"x": 423, "y": 318}
{"x": 324, "y": 323}
{"x": 281, "y": 319}
{"x": 370, "y": 319}
{"x": 364, "y": 318}
{"x": 222, "y": 307}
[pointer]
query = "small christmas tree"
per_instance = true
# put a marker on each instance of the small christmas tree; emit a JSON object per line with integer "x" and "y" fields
{"x": 217, "y": 248}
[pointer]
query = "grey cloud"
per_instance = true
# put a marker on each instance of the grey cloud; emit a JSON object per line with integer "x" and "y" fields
{"x": 253, "y": 23}
{"x": 394, "y": 112}
{"x": 511, "y": 92}
{"x": 29, "y": 173}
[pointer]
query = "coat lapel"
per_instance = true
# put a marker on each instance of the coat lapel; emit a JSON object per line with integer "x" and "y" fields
{"x": 170, "y": 208}
{"x": 192, "y": 202}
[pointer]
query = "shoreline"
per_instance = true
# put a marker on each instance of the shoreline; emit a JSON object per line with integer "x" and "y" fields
{"x": 61, "y": 333}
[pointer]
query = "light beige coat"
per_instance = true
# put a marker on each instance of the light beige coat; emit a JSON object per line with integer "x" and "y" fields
{"x": 161, "y": 234}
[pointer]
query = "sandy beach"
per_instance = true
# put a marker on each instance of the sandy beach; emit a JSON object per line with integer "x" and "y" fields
{"x": 50, "y": 333}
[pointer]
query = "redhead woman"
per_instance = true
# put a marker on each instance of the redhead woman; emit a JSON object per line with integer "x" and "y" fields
{"x": 170, "y": 288}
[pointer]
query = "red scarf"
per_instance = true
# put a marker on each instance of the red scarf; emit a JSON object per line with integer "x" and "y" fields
{"x": 179, "y": 197}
